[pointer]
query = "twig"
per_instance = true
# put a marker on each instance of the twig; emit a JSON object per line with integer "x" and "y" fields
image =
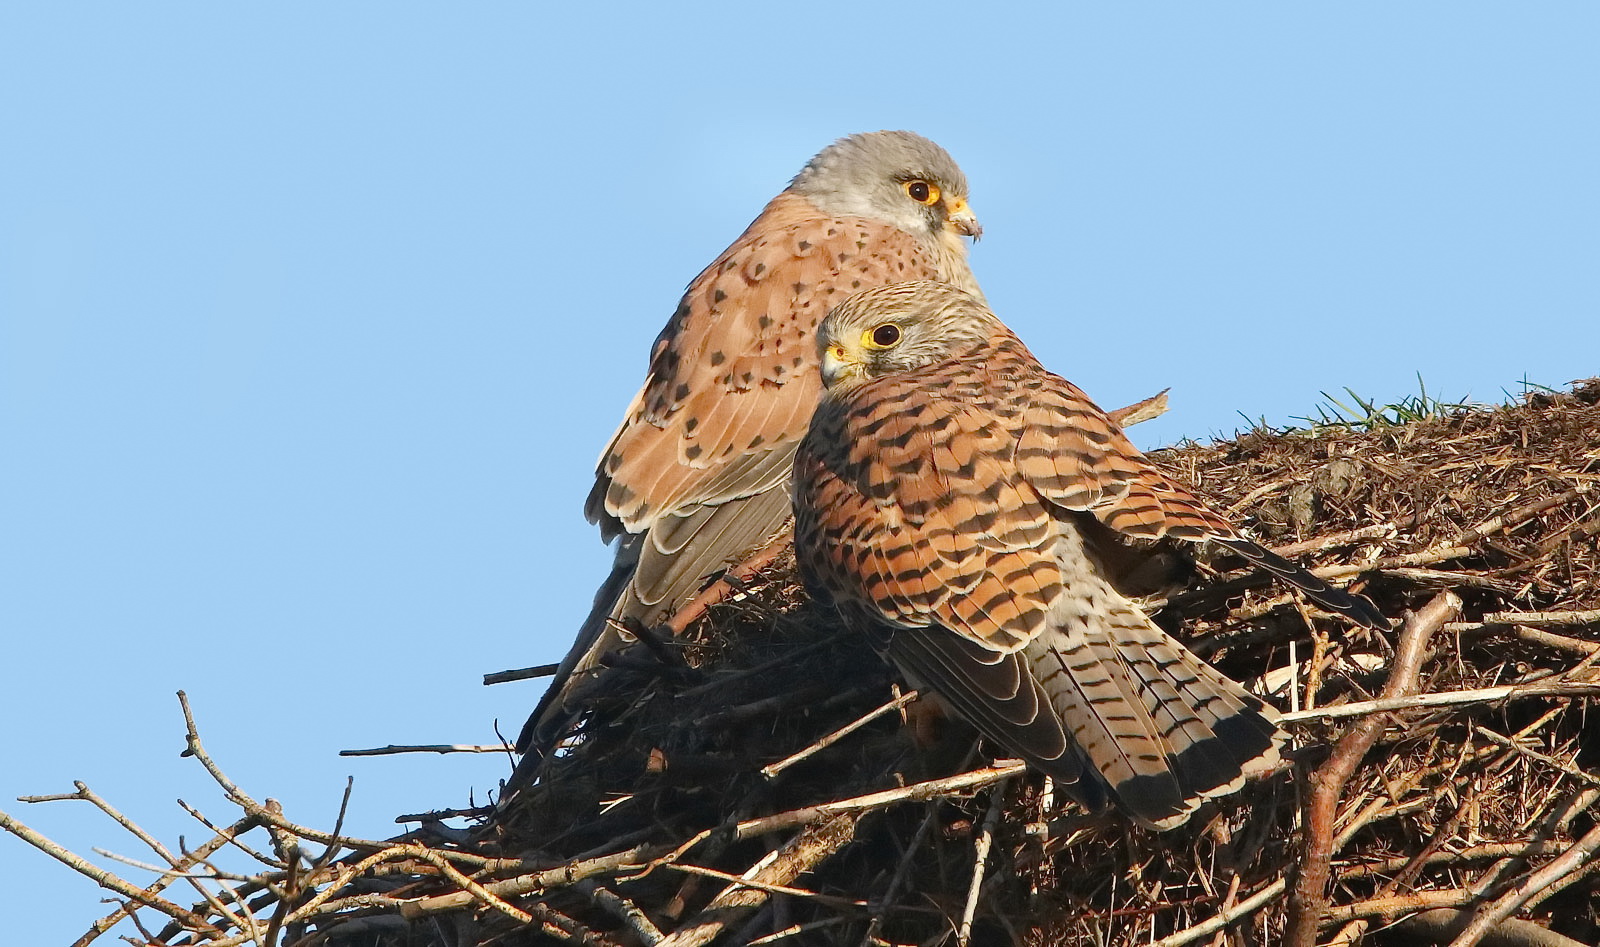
{"x": 1480, "y": 695}
{"x": 395, "y": 749}
{"x": 1395, "y": 905}
{"x": 623, "y": 910}
{"x": 487, "y": 898}
{"x": 751, "y": 880}
{"x": 794, "y": 929}
{"x": 980, "y": 858}
{"x": 562, "y": 875}
{"x": 242, "y": 799}
{"x": 883, "y": 907}
{"x": 1531, "y": 619}
{"x": 1348, "y": 537}
{"x": 332, "y": 850}
{"x": 837, "y": 735}
{"x": 802, "y": 853}
{"x": 1308, "y": 899}
{"x": 1521, "y": 514}
{"x": 186, "y": 861}
{"x": 1223, "y": 918}
{"x": 173, "y": 873}
{"x": 916, "y": 792}
{"x": 259, "y": 856}
{"x": 173, "y": 862}
{"x": 106, "y": 879}
{"x": 520, "y": 674}
{"x": 438, "y": 815}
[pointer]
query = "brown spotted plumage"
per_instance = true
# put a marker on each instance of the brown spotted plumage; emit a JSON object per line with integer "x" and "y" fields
{"x": 697, "y": 476}
{"x": 941, "y": 498}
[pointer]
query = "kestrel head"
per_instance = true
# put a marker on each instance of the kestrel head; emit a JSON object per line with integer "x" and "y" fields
{"x": 900, "y": 178}
{"x": 899, "y": 328}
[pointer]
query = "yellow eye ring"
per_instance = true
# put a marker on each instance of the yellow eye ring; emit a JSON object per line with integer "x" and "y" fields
{"x": 885, "y": 336}
{"x": 923, "y": 192}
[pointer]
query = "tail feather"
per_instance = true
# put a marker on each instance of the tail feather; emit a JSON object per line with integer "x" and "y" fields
{"x": 1209, "y": 734}
{"x": 1108, "y": 704}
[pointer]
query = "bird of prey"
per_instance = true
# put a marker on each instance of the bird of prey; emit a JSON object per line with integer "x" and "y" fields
{"x": 944, "y": 498}
{"x": 697, "y": 476}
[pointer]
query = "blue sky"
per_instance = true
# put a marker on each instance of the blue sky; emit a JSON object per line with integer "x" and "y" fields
{"x": 313, "y": 317}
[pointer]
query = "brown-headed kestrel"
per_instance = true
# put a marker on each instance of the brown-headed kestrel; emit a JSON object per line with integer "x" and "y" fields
{"x": 697, "y": 476}
{"x": 944, "y": 500}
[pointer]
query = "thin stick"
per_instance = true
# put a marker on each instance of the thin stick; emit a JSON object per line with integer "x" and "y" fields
{"x": 750, "y": 879}
{"x": 1480, "y": 695}
{"x": 395, "y": 749}
{"x": 106, "y": 879}
{"x": 173, "y": 862}
{"x": 1484, "y": 851}
{"x": 1521, "y": 514}
{"x": 1223, "y": 918}
{"x": 643, "y": 855}
{"x": 520, "y": 674}
{"x": 261, "y": 857}
{"x": 559, "y": 876}
{"x": 980, "y": 858}
{"x": 794, "y": 929}
{"x": 623, "y": 910}
{"x": 332, "y": 850}
{"x": 1531, "y": 619}
{"x": 217, "y": 841}
{"x": 243, "y": 800}
{"x": 837, "y": 735}
{"x": 802, "y": 853}
{"x": 1348, "y": 537}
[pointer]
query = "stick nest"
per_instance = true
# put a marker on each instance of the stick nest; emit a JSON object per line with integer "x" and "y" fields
{"x": 678, "y": 817}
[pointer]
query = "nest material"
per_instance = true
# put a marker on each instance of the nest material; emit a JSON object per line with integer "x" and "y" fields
{"x": 679, "y": 817}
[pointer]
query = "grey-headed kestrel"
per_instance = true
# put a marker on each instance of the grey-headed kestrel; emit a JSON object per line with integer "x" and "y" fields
{"x": 697, "y": 476}
{"x": 943, "y": 497}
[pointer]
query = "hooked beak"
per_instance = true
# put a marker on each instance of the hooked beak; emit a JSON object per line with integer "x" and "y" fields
{"x": 962, "y": 220}
{"x": 834, "y": 364}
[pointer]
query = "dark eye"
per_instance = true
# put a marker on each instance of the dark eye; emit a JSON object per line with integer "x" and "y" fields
{"x": 885, "y": 335}
{"x": 922, "y": 192}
